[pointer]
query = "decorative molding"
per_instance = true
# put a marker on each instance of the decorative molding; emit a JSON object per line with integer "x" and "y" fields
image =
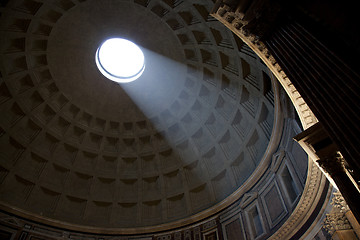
{"x": 277, "y": 160}
{"x": 237, "y": 25}
{"x": 316, "y": 181}
{"x": 247, "y": 199}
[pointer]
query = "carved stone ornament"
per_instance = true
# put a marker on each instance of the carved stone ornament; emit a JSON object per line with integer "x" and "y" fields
{"x": 335, "y": 222}
{"x": 339, "y": 202}
{"x": 336, "y": 219}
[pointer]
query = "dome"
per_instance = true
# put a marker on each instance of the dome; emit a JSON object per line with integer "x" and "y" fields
{"x": 185, "y": 140}
{"x": 165, "y": 142}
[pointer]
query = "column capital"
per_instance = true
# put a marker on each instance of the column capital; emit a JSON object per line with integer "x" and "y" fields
{"x": 333, "y": 164}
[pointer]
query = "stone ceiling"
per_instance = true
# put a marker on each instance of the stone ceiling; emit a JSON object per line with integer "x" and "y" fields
{"x": 79, "y": 148}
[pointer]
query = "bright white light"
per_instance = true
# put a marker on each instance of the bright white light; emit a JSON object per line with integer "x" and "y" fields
{"x": 120, "y": 60}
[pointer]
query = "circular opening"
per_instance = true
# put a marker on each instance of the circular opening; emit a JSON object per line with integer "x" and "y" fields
{"x": 120, "y": 60}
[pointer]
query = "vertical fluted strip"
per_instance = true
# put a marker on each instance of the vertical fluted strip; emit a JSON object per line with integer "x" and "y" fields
{"x": 327, "y": 84}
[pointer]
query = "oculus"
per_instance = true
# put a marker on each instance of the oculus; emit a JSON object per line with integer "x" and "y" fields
{"x": 120, "y": 60}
